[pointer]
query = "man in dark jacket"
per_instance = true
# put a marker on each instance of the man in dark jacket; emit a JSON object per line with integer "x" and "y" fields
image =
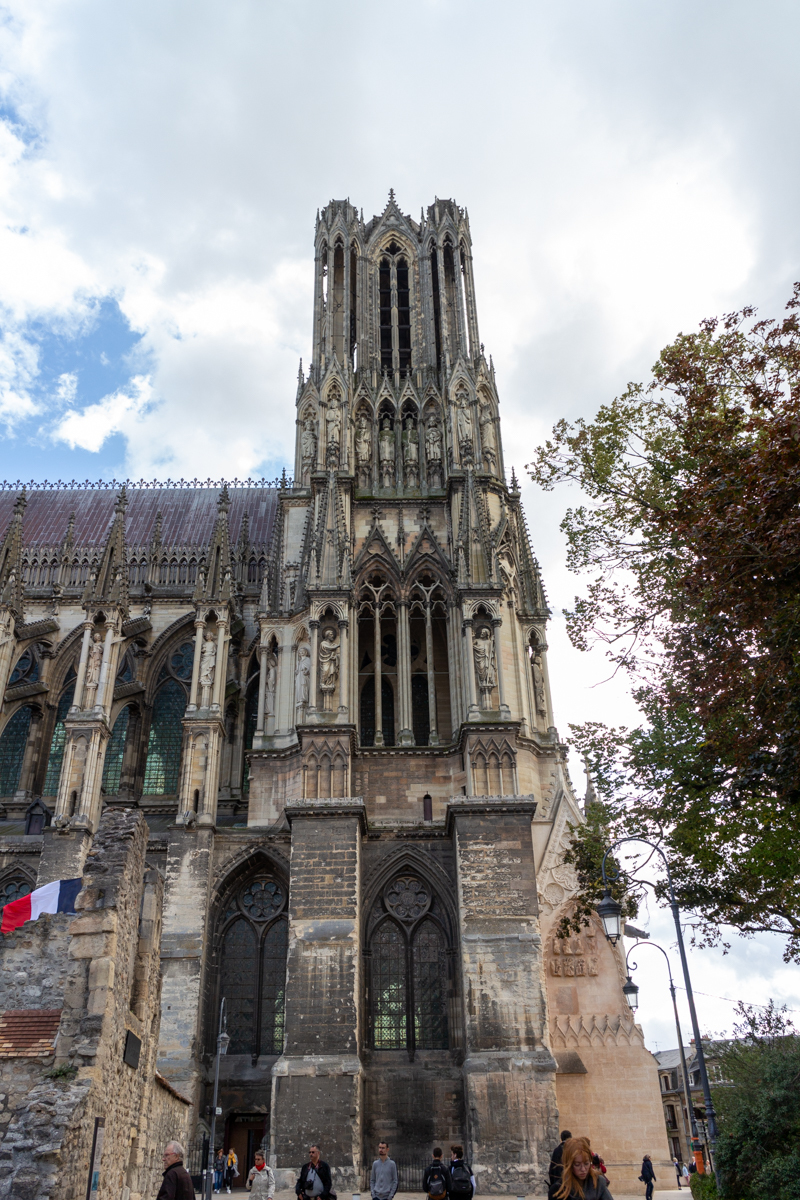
{"x": 648, "y": 1176}
{"x": 315, "y": 1177}
{"x": 436, "y": 1180}
{"x": 177, "y": 1182}
{"x": 555, "y": 1163}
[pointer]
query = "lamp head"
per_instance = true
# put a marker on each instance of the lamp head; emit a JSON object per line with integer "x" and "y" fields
{"x": 631, "y": 993}
{"x": 610, "y": 913}
{"x": 223, "y": 1041}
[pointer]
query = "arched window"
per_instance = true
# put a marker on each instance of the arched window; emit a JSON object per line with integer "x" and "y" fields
{"x": 254, "y": 942}
{"x": 12, "y": 750}
{"x": 394, "y": 287}
{"x": 112, "y": 767}
{"x": 26, "y": 668}
{"x": 408, "y": 968}
{"x": 58, "y": 740}
{"x": 164, "y": 742}
{"x": 14, "y": 887}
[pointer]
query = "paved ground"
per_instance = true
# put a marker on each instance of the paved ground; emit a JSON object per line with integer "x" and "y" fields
{"x": 672, "y": 1194}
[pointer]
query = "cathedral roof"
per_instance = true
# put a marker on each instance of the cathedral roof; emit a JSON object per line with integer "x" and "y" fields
{"x": 188, "y": 514}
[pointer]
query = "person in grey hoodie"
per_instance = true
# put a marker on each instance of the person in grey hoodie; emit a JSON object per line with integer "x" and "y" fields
{"x": 383, "y": 1177}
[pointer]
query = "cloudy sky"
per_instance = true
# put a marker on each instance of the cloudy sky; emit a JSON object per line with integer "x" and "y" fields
{"x": 629, "y": 168}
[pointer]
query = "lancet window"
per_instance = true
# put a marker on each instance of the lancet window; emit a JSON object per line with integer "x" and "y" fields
{"x": 13, "y": 742}
{"x": 377, "y": 663}
{"x": 253, "y": 942}
{"x": 115, "y": 752}
{"x": 166, "y": 729}
{"x": 58, "y": 740}
{"x": 408, "y": 978}
{"x": 394, "y": 304}
{"x": 428, "y": 663}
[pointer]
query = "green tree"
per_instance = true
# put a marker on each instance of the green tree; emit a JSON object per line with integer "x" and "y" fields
{"x": 758, "y": 1104}
{"x": 690, "y": 532}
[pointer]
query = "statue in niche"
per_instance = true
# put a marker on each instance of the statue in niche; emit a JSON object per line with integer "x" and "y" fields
{"x": 329, "y": 655}
{"x": 208, "y": 662}
{"x": 538, "y": 683}
{"x": 333, "y": 431}
{"x": 483, "y": 651}
{"x": 308, "y": 446}
{"x": 93, "y": 664}
{"x": 302, "y": 677}
{"x": 386, "y": 452}
{"x": 271, "y": 668}
{"x": 433, "y": 452}
{"x": 488, "y": 443}
{"x": 464, "y": 427}
{"x": 363, "y": 449}
{"x": 410, "y": 454}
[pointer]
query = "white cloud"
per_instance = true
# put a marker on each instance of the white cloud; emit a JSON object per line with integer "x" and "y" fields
{"x": 120, "y": 412}
{"x": 67, "y": 388}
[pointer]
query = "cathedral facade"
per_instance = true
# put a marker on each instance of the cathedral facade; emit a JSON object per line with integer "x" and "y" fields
{"x": 330, "y": 699}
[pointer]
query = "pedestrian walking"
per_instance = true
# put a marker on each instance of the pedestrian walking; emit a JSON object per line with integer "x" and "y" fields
{"x": 436, "y": 1180}
{"x": 315, "y": 1176}
{"x": 177, "y": 1182}
{"x": 260, "y": 1180}
{"x": 219, "y": 1170}
{"x": 555, "y": 1163}
{"x": 383, "y": 1176}
{"x": 462, "y": 1181}
{"x": 677, "y": 1167}
{"x": 647, "y": 1177}
{"x": 579, "y": 1179}
{"x": 231, "y": 1171}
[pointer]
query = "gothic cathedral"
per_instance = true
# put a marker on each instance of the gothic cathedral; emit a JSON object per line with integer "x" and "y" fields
{"x": 329, "y": 696}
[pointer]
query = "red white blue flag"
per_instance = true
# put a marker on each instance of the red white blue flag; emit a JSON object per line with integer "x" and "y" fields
{"x": 58, "y": 896}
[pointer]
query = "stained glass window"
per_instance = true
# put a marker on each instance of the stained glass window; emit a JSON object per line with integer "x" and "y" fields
{"x": 430, "y": 992}
{"x": 273, "y": 987}
{"x": 56, "y": 756}
{"x": 12, "y": 750}
{"x": 389, "y": 1006}
{"x": 13, "y": 889}
{"x": 112, "y": 768}
{"x": 238, "y": 984}
{"x": 164, "y": 742}
{"x": 182, "y": 660}
{"x": 26, "y": 669}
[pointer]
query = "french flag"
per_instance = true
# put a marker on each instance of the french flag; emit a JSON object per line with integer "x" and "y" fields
{"x": 55, "y": 897}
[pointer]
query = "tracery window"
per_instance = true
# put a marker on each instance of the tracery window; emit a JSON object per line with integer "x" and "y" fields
{"x": 12, "y": 750}
{"x": 408, "y": 977}
{"x": 14, "y": 888}
{"x": 58, "y": 740}
{"x": 112, "y": 767}
{"x": 26, "y": 668}
{"x": 254, "y": 942}
{"x": 166, "y": 725}
{"x": 394, "y": 294}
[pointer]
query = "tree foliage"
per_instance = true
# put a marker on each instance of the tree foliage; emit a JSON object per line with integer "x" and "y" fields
{"x": 690, "y": 532}
{"x": 758, "y": 1104}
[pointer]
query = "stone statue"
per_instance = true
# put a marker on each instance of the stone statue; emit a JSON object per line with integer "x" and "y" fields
{"x": 329, "y": 654}
{"x": 208, "y": 662}
{"x": 333, "y": 433}
{"x": 488, "y": 444}
{"x": 433, "y": 452}
{"x": 271, "y": 668}
{"x": 308, "y": 445}
{"x": 386, "y": 452}
{"x": 410, "y": 454}
{"x": 538, "y": 683}
{"x": 302, "y": 677}
{"x": 483, "y": 651}
{"x": 93, "y": 664}
{"x": 464, "y": 427}
{"x": 363, "y": 449}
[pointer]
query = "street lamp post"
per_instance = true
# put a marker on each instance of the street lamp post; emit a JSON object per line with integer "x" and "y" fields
{"x": 223, "y": 1041}
{"x": 610, "y": 912}
{"x": 686, "y": 1091}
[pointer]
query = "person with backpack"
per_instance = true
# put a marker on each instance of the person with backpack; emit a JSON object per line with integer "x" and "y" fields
{"x": 436, "y": 1180}
{"x": 462, "y": 1181}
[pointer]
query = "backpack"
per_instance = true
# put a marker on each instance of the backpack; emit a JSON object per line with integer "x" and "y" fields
{"x": 436, "y": 1182}
{"x": 460, "y": 1181}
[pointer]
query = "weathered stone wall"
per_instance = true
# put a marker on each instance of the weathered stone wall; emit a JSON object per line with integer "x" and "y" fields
{"x": 103, "y": 967}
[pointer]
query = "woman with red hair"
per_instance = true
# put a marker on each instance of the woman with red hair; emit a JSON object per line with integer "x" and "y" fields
{"x": 580, "y": 1180}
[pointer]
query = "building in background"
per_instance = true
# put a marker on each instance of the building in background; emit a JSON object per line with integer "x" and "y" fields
{"x": 330, "y": 699}
{"x": 676, "y": 1118}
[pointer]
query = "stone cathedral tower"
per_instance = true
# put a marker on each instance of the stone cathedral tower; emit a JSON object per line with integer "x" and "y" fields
{"x": 330, "y": 697}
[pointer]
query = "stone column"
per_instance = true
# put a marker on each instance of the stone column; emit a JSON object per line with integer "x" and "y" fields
{"x": 311, "y": 712}
{"x": 377, "y": 669}
{"x": 262, "y": 690}
{"x": 316, "y": 1083}
{"x": 406, "y": 734}
{"x": 505, "y": 711}
{"x": 221, "y": 671}
{"x": 509, "y": 1072}
{"x": 81, "y": 673}
{"x": 199, "y": 630}
{"x": 433, "y": 732}
{"x": 344, "y": 665}
{"x": 473, "y": 712}
{"x": 454, "y": 663}
{"x": 102, "y": 684}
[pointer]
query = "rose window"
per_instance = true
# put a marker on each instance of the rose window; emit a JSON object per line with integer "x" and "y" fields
{"x": 407, "y": 898}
